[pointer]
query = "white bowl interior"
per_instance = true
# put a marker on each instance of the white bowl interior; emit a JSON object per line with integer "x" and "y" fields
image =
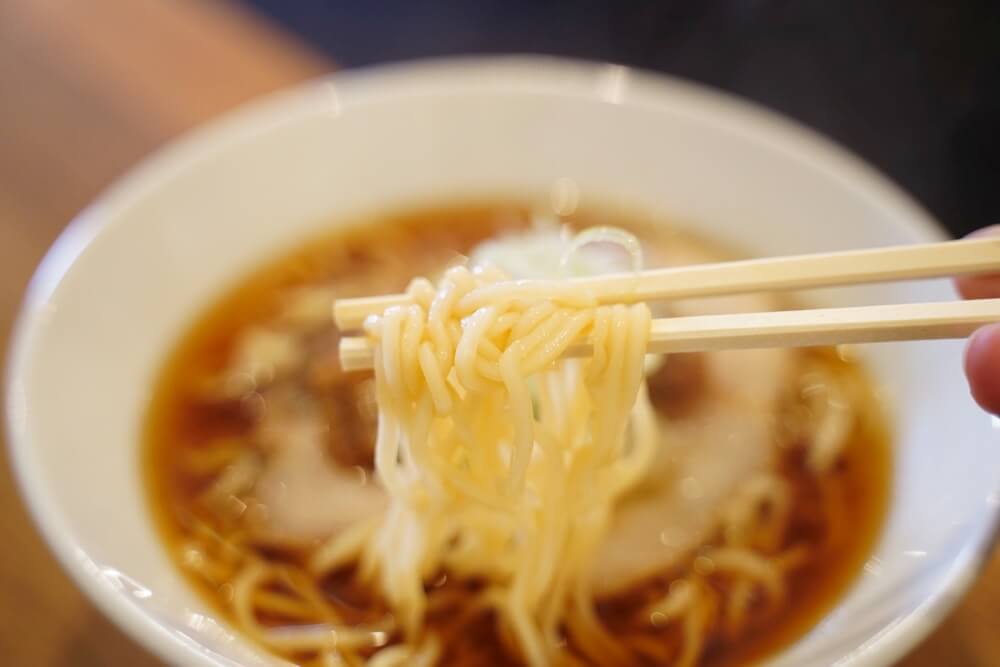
{"x": 124, "y": 282}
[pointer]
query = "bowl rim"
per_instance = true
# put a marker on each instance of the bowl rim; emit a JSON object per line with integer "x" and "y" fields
{"x": 392, "y": 83}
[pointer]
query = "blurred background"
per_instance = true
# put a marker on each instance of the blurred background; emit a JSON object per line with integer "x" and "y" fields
{"x": 912, "y": 86}
{"x": 89, "y": 87}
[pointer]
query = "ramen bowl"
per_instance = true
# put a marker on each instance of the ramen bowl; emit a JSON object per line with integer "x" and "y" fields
{"x": 134, "y": 269}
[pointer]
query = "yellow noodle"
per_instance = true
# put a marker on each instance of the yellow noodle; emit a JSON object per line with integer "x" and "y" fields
{"x": 515, "y": 481}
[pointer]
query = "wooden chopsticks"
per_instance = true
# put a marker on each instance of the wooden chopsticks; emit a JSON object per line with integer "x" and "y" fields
{"x": 787, "y": 328}
{"x": 932, "y": 260}
{"x": 791, "y": 328}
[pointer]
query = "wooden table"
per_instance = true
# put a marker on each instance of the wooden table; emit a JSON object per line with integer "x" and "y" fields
{"x": 87, "y": 89}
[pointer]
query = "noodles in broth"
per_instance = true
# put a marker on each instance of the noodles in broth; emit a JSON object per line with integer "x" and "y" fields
{"x": 529, "y": 508}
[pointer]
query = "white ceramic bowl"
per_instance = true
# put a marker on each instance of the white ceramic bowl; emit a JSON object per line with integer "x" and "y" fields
{"x": 131, "y": 272}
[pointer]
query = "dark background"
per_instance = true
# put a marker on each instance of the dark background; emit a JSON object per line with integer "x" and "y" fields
{"x": 911, "y": 86}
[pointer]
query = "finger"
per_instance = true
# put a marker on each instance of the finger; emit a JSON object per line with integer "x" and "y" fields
{"x": 980, "y": 287}
{"x": 982, "y": 367}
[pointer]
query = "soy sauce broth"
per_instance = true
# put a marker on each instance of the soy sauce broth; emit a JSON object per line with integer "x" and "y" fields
{"x": 379, "y": 256}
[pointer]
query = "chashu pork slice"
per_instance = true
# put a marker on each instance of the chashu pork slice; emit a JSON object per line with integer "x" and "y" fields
{"x": 308, "y": 495}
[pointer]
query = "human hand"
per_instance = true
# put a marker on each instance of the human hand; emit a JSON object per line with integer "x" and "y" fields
{"x": 982, "y": 353}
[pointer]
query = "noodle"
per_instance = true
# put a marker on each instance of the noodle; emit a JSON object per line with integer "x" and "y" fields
{"x": 502, "y": 461}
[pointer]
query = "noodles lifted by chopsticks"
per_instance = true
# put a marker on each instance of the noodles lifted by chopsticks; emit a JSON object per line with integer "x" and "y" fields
{"x": 527, "y": 509}
{"x": 502, "y": 462}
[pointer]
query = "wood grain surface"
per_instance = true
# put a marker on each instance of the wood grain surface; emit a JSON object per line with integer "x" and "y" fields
{"x": 89, "y": 87}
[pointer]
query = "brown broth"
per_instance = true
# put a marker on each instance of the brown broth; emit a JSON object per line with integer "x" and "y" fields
{"x": 865, "y": 473}
{"x": 180, "y": 419}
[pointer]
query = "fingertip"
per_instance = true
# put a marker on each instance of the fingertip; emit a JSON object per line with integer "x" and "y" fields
{"x": 980, "y": 287}
{"x": 984, "y": 232}
{"x": 982, "y": 367}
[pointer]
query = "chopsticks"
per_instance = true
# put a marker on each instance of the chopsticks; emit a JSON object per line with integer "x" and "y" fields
{"x": 796, "y": 328}
{"x": 791, "y": 328}
{"x": 932, "y": 260}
